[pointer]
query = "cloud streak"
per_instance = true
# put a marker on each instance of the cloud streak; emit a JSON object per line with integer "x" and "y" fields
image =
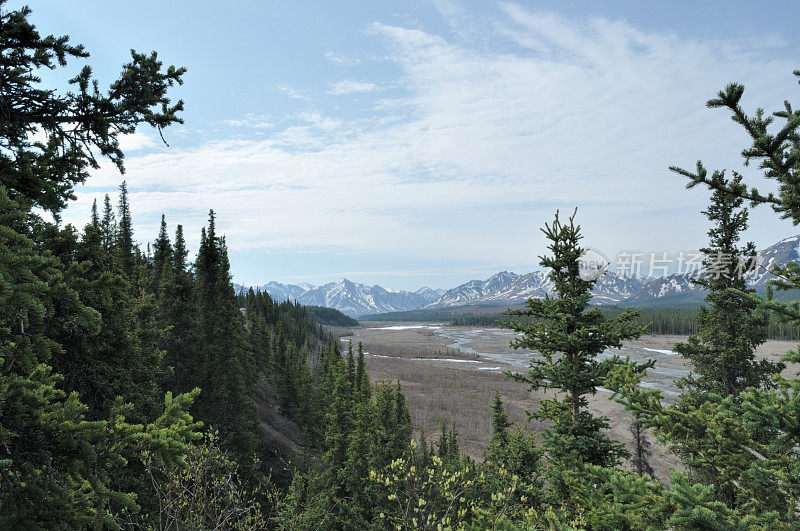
{"x": 350, "y": 86}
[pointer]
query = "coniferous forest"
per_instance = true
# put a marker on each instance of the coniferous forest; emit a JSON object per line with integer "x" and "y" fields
{"x": 138, "y": 390}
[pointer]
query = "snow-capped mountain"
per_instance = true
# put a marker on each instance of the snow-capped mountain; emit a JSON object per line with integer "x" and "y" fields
{"x": 786, "y": 250}
{"x": 500, "y": 288}
{"x": 430, "y": 294}
{"x": 359, "y": 299}
{"x": 348, "y": 297}
{"x": 611, "y": 288}
{"x": 282, "y": 292}
{"x": 510, "y": 288}
{"x": 506, "y": 288}
{"x": 278, "y": 291}
{"x": 676, "y": 288}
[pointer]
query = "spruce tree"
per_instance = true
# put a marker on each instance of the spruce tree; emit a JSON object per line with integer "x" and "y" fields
{"x": 108, "y": 226}
{"x": 121, "y": 357}
{"x": 351, "y": 365}
{"x": 723, "y": 351}
{"x": 162, "y": 259}
{"x": 739, "y": 445}
{"x": 442, "y": 445}
{"x": 56, "y": 465}
{"x": 65, "y": 463}
{"x": 402, "y": 436}
{"x": 424, "y": 450}
{"x": 640, "y": 458}
{"x": 569, "y": 335}
{"x": 95, "y": 219}
{"x": 453, "y": 449}
{"x": 224, "y": 355}
{"x": 179, "y": 311}
{"x": 124, "y": 244}
{"x": 500, "y": 424}
{"x": 362, "y": 378}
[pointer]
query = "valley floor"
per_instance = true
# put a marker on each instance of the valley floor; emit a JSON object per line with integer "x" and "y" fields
{"x": 451, "y": 373}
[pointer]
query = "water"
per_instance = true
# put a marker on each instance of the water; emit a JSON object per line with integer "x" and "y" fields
{"x": 668, "y": 365}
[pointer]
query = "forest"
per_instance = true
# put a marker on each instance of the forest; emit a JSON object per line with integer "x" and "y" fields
{"x": 138, "y": 390}
{"x": 670, "y": 320}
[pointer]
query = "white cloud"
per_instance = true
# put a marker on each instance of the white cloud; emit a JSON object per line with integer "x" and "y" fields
{"x": 319, "y": 121}
{"x": 292, "y": 92}
{"x": 341, "y": 59}
{"x": 350, "y": 86}
{"x": 488, "y": 145}
{"x": 136, "y": 141}
{"x": 255, "y": 121}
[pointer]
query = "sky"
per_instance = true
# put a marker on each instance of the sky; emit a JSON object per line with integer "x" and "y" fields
{"x": 426, "y": 142}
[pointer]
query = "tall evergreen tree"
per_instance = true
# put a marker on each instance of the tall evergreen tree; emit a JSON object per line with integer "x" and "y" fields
{"x": 162, "y": 259}
{"x": 730, "y": 429}
{"x": 640, "y": 458}
{"x": 120, "y": 359}
{"x": 569, "y": 335}
{"x": 226, "y": 401}
{"x": 351, "y": 366}
{"x": 95, "y": 220}
{"x": 108, "y": 226}
{"x": 362, "y": 378}
{"x": 500, "y": 424}
{"x": 723, "y": 351}
{"x": 179, "y": 311}
{"x": 125, "y": 244}
{"x": 78, "y": 124}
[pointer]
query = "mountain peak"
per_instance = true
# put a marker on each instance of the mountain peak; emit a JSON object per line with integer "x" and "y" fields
{"x": 508, "y": 288}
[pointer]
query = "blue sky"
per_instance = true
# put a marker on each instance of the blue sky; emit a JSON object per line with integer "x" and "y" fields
{"x": 424, "y": 143}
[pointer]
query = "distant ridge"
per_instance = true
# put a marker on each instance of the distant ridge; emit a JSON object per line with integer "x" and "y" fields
{"x": 508, "y": 289}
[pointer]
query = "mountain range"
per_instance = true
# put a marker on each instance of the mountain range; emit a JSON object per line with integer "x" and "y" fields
{"x": 506, "y": 288}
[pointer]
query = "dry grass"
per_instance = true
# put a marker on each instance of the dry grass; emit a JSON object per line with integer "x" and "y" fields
{"x": 437, "y": 393}
{"x": 457, "y": 393}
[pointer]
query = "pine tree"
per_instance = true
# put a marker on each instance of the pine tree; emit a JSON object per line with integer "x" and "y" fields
{"x": 351, "y": 366}
{"x": 776, "y": 154}
{"x": 95, "y": 220}
{"x": 641, "y": 449}
{"x": 424, "y": 453}
{"x": 162, "y": 259}
{"x": 108, "y": 226}
{"x": 453, "y": 450}
{"x": 124, "y": 243}
{"x": 442, "y": 446}
{"x": 361, "y": 373}
{"x": 569, "y": 335}
{"x": 224, "y": 355}
{"x": 178, "y": 310}
{"x": 55, "y": 464}
{"x": 120, "y": 358}
{"x": 258, "y": 333}
{"x": 339, "y": 426}
{"x": 737, "y": 444}
{"x": 65, "y": 463}
{"x": 403, "y": 428}
{"x": 729, "y": 330}
{"x": 500, "y": 424}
